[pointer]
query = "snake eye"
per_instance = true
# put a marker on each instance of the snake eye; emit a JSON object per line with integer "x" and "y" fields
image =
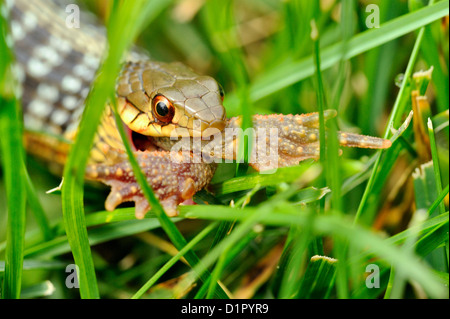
{"x": 163, "y": 108}
{"x": 221, "y": 91}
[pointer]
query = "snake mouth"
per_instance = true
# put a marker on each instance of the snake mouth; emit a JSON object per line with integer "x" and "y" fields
{"x": 140, "y": 142}
{"x": 203, "y": 130}
{"x": 143, "y": 143}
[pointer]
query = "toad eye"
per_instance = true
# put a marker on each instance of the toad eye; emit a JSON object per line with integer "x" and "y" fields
{"x": 162, "y": 108}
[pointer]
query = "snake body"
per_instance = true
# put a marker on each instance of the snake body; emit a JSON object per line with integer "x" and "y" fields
{"x": 56, "y": 67}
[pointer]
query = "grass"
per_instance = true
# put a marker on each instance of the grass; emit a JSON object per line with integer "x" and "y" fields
{"x": 14, "y": 176}
{"x": 307, "y": 231}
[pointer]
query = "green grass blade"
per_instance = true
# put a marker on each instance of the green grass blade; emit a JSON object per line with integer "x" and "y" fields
{"x": 430, "y": 51}
{"x": 442, "y": 255}
{"x": 295, "y": 260}
{"x": 249, "y": 221}
{"x": 174, "y": 259}
{"x": 12, "y": 160}
{"x": 379, "y": 58}
{"x": 425, "y": 188}
{"x": 72, "y": 189}
{"x": 396, "y": 113}
{"x": 219, "y": 21}
{"x": 438, "y": 200}
{"x": 282, "y": 175}
{"x": 321, "y": 99}
{"x": 432, "y": 233}
{"x": 224, "y": 260}
{"x": 104, "y": 233}
{"x": 229, "y": 252}
{"x": 12, "y": 156}
{"x": 436, "y": 169}
{"x": 397, "y": 280}
{"x": 38, "y": 210}
{"x": 295, "y": 249}
{"x": 432, "y": 240}
{"x": 32, "y": 264}
{"x": 319, "y": 278}
{"x": 35, "y": 245}
{"x": 40, "y": 290}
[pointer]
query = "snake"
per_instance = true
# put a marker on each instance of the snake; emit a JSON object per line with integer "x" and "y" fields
{"x": 163, "y": 106}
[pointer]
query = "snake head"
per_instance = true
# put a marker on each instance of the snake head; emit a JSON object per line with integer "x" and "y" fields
{"x": 159, "y": 99}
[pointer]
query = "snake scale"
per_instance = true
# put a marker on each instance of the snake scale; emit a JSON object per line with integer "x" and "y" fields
{"x": 56, "y": 67}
